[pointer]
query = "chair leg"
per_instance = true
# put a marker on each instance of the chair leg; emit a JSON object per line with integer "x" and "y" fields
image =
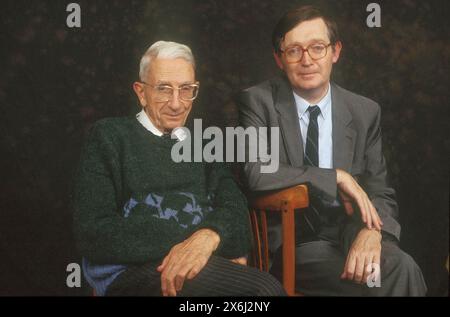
{"x": 288, "y": 220}
{"x": 265, "y": 241}
{"x": 257, "y": 240}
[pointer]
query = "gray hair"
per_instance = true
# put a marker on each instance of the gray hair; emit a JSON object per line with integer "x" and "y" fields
{"x": 163, "y": 49}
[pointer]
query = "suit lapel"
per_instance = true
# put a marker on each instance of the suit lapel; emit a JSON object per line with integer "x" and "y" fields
{"x": 344, "y": 135}
{"x": 289, "y": 122}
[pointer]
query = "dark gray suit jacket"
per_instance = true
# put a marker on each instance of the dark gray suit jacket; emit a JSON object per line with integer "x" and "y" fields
{"x": 356, "y": 145}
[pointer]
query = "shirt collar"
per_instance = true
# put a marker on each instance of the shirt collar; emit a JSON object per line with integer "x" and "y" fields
{"x": 324, "y": 104}
{"x": 143, "y": 119}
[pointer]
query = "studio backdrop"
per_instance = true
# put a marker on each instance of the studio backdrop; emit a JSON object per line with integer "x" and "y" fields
{"x": 57, "y": 80}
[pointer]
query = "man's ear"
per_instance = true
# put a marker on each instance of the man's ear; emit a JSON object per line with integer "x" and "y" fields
{"x": 139, "y": 90}
{"x": 336, "y": 51}
{"x": 278, "y": 60}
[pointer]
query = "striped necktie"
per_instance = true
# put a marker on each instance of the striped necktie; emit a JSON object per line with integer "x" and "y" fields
{"x": 311, "y": 219}
{"x": 312, "y": 138}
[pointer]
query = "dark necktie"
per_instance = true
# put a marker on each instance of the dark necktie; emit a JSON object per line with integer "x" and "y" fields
{"x": 311, "y": 219}
{"x": 312, "y": 138}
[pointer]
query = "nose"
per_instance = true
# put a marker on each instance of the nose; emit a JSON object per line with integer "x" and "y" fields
{"x": 306, "y": 59}
{"x": 175, "y": 103}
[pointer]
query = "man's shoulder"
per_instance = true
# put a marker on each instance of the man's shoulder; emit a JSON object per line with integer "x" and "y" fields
{"x": 267, "y": 86}
{"x": 262, "y": 87}
{"x": 361, "y": 108}
{"x": 261, "y": 93}
{"x": 113, "y": 123}
{"x": 112, "y": 127}
{"x": 353, "y": 99}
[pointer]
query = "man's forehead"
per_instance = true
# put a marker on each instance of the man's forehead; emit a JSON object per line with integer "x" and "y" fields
{"x": 308, "y": 31}
{"x": 167, "y": 64}
{"x": 176, "y": 70}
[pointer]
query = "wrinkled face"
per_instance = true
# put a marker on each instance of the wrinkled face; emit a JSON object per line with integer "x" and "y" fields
{"x": 166, "y": 115}
{"x": 308, "y": 76}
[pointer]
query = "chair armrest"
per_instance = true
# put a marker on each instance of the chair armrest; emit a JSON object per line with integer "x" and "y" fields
{"x": 285, "y": 201}
{"x": 296, "y": 197}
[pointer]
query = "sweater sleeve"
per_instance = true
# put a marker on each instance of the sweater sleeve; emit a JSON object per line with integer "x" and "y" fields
{"x": 102, "y": 233}
{"x": 230, "y": 218}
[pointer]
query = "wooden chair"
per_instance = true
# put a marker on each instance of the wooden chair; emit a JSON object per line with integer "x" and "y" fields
{"x": 284, "y": 201}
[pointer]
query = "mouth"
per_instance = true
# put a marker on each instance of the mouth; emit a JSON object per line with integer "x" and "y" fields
{"x": 307, "y": 76}
{"x": 173, "y": 116}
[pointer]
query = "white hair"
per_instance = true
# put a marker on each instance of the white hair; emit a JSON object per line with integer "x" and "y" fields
{"x": 163, "y": 49}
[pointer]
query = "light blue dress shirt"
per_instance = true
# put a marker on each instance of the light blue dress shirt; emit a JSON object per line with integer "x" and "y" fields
{"x": 324, "y": 120}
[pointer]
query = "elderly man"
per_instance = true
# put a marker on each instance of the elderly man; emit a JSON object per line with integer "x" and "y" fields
{"x": 330, "y": 140}
{"x": 147, "y": 225}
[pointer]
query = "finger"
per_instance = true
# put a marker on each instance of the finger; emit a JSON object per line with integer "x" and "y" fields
{"x": 375, "y": 217}
{"x": 163, "y": 285}
{"x": 171, "y": 287}
{"x": 348, "y": 207}
{"x": 344, "y": 274}
{"x": 381, "y": 221}
{"x": 179, "y": 270}
{"x": 359, "y": 272}
{"x": 350, "y": 271}
{"x": 373, "y": 214}
{"x": 344, "y": 196}
{"x": 369, "y": 219}
{"x": 196, "y": 269}
{"x": 167, "y": 278}
{"x": 368, "y": 268}
{"x": 160, "y": 268}
{"x": 362, "y": 210}
{"x": 241, "y": 261}
{"x": 192, "y": 273}
{"x": 180, "y": 278}
{"x": 376, "y": 257}
{"x": 378, "y": 217}
{"x": 364, "y": 214}
{"x": 368, "y": 211}
{"x": 344, "y": 271}
{"x": 169, "y": 282}
{"x": 354, "y": 195}
{"x": 376, "y": 264}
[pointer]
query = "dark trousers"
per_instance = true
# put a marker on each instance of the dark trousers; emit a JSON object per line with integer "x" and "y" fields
{"x": 320, "y": 263}
{"x": 219, "y": 277}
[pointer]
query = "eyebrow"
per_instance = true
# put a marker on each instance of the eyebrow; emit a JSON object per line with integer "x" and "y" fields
{"x": 160, "y": 82}
{"x": 312, "y": 41}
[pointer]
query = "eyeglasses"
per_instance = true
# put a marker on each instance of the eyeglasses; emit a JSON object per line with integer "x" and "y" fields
{"x": 164, "y": 93}
{"x": 294, "y": 54}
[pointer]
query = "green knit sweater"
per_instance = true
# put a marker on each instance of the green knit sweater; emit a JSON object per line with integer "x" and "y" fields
{"x": 132, "y": 203}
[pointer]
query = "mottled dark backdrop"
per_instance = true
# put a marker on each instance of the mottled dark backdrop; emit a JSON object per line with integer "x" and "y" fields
{"x": 55, "y": 82}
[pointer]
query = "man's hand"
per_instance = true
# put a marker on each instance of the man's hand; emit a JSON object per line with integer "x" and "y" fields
{"x": 350, "y": 192}
{"x": 241, "y": 261}
{"x": 186, "y": 260}
{"x": 364, "y": 252}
